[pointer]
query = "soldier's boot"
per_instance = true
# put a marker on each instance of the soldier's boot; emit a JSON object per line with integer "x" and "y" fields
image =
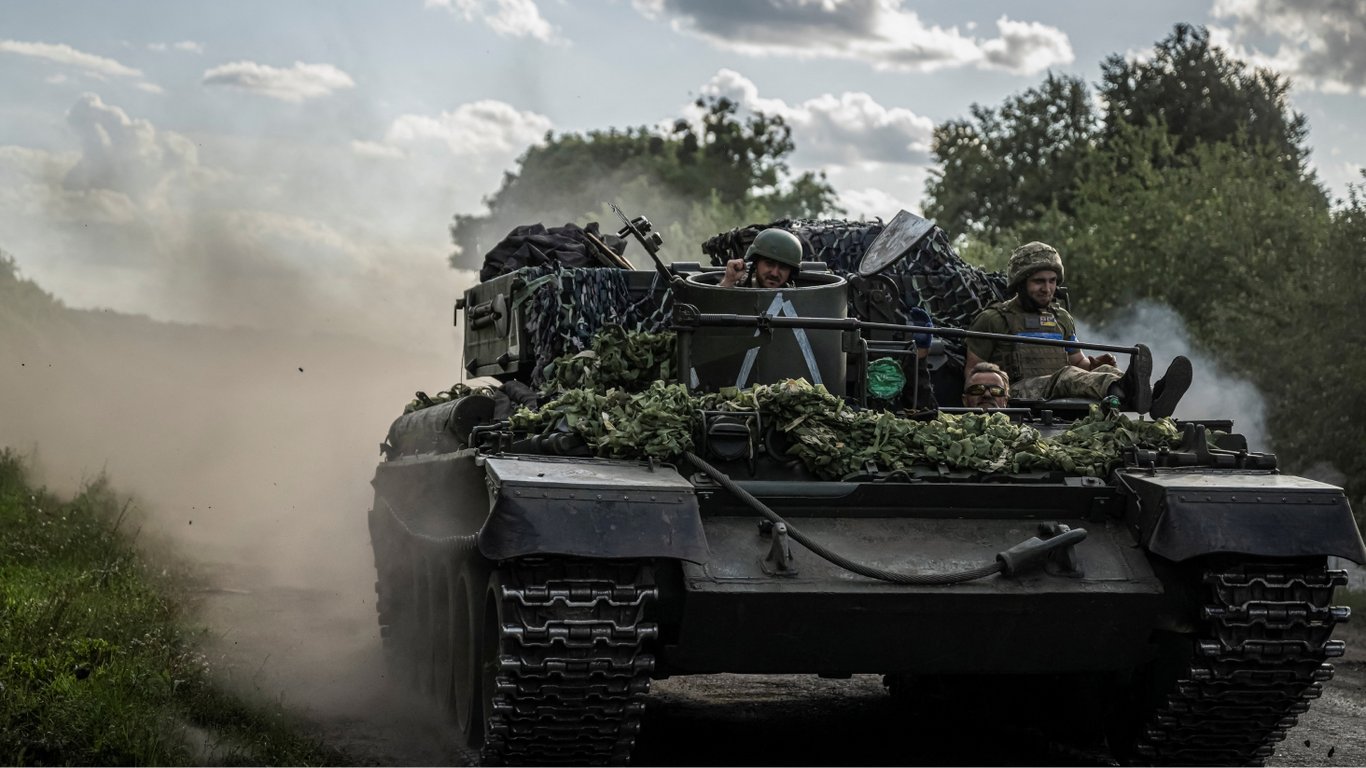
{"x": 1135, "y": 390}
{"x": 1168, "y": 390}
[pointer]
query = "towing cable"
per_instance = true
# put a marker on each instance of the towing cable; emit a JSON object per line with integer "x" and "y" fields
{"x": 1026, "y": 554}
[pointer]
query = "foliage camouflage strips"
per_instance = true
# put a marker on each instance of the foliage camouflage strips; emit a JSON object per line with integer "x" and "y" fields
{"x": 832, "y": 439}
{"x": 617, "y": 358}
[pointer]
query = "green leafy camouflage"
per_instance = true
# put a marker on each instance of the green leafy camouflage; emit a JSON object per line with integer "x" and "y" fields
{"x": 657, "y": 422}
{"x": 423, "y": 400}
{"x": 834, "y": 440}
{"x": 617, "y": 358}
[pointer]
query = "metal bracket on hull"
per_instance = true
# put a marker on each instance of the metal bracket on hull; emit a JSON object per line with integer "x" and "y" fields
{"x": 1062, "y": 561}
{"x": 1055, "y": 548}
{"x": 779, "y": 561}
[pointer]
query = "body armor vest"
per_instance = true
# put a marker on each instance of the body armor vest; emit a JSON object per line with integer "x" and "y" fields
{"x": 1029, "y": 360}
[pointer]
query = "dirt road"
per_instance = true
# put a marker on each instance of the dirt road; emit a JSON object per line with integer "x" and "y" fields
{"x": 321, "y": 657}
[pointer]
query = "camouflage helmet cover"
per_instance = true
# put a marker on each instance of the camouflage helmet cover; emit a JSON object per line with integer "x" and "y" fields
{"x": 778, "y": 245}
{"x": 1030, "y": 258}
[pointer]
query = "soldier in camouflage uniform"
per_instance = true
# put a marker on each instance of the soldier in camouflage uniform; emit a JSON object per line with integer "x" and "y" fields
{"x": 1042, "y": 372}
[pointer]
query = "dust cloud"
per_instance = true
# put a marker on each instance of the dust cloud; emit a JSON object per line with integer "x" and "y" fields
{"x": 250, "y": 452}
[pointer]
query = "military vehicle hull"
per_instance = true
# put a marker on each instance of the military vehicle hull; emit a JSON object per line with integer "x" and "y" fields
{"x": 537, "y": 597}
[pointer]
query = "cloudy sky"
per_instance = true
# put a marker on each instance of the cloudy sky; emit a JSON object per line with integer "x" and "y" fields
{"x": 296, "y": 164}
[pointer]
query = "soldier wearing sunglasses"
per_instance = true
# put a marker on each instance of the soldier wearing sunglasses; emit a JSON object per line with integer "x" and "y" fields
{"x": 986, "y": 387}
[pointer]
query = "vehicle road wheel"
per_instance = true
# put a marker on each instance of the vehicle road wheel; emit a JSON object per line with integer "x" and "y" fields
{"x": 439, "y": 580}
{"x": 465, "y": 617}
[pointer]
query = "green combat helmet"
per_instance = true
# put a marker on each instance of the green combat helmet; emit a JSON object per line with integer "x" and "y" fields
{"x": 1030, "y": 258}
{"x": 779, "y": 245}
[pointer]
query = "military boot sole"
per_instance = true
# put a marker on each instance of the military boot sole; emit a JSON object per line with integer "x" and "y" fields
{"x": 1170, "y": 388}
{"x": 1138, "y": 380}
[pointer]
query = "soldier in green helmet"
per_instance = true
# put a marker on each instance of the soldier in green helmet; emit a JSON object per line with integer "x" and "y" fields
{"x": 771, "y": 261}
{"x": 1040, "y": 372}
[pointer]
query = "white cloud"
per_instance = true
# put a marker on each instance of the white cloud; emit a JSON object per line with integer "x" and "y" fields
{"x": 1319, "y": 44}
{"x": 871, "y": 203}
{"x": 187, "y": 46}
{"x": 845, "y": 129}
{"x": 121, "y": 154}
{"x": 98, "y": 66}
{"x": 300, "y": 82}
{"x": 1027, "y": 46}
{"x": 477, "y": 129}
{"x": 880, "y": 32}
{"x": 508, "y": 18}
{"x": 377, "y": 149}
{"x": 150, "y": 88}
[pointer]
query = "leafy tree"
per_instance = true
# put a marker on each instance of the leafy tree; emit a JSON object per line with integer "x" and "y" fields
{"x": 1328, "y": 424}
{"x": 727, "y": 171}
{"x": 25, "y": 308}
{"x": 1190, "y": 230}
{"x": 1006, "y": 167}
{"x": 1202, "y": 96}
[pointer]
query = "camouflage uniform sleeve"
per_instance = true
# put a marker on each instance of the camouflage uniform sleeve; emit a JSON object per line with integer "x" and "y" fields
{"x": 987, "y": 321}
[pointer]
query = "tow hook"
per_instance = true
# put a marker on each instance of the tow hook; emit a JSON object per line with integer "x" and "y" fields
{"x": 1055, "y": 548}
{"x": 779, "y": 561}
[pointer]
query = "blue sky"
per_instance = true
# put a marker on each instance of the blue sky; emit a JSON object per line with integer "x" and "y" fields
{"x": 296, "y": 164}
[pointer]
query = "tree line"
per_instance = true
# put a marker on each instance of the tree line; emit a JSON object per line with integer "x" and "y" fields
{"x": 1187, "y": 186}
{"x": 1183, "y": 179}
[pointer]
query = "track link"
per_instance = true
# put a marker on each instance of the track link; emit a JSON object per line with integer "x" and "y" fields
{"x": 572, "y": 668}
{"x": 1254, "y": 672}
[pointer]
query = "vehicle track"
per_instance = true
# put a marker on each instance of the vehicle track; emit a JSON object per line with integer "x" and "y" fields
{"x": 265, "y": 639}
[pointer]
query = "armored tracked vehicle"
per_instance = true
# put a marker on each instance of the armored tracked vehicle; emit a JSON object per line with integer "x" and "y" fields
{"x": 742, "y": 506}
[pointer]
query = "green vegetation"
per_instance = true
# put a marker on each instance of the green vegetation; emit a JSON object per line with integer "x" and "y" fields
{"x": 97, "y": 666}
{"x": 693, "y": 181}
{"x": 1352, "y": 598}
{"x": 1190, "y": 189}
{"x": 1027, "y": 161}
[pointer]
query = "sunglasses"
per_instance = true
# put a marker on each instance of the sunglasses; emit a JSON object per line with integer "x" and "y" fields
{"x": 995, "y": 390}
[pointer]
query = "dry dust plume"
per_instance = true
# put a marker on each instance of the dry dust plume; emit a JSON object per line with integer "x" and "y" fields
{"x": 251, "y": 452}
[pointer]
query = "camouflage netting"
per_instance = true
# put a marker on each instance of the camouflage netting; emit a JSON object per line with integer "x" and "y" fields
{"x": 423, "y": 400}
{"x": 951, "y": 289}
{"x": 535, "y": 245}
{"x": 624, "y": 415}
{"x": 616, "y": 359}
{"x": 570, "y": 305}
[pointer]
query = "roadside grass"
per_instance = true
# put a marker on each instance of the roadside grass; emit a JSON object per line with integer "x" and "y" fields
{"x": 97, "y": 658}
{"x": 1354, "y": 599}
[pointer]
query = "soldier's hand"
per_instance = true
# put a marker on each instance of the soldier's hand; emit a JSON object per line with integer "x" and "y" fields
{"x": 1104, "y": 358}
{"x": 735, "y": 269}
